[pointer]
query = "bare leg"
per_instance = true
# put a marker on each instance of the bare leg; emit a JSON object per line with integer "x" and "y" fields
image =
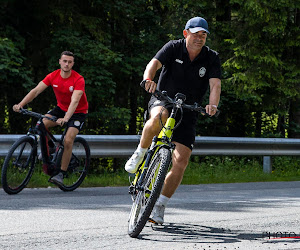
{"x": 68, "y": 146}
{"x": 49, "y": 124}
{"x": 181, "y": 156}
{"x": 68, "y": 143}
{"x": 153, "y": 126}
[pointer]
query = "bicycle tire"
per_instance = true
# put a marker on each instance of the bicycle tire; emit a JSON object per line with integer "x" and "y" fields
{"x": 78, "y": 166}
{"x": 145, "y": 200}
{"x": 18, "y": 165}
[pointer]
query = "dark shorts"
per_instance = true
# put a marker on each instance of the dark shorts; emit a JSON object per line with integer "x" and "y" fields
{"x": 77, "y": 120}
{"x": 186, "y": 131}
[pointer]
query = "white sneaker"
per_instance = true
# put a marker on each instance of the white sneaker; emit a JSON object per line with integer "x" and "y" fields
{"x": 158, "y": 214}
{"x": 135, "y": 160}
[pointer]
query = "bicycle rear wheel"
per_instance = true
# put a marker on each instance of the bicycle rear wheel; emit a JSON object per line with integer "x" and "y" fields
{"x": 146, "y": 196}
{"x": 78, "y": 166}
{"x": 19, "y": 165}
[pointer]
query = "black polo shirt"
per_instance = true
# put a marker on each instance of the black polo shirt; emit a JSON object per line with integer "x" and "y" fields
{"x": 179, "y": 74}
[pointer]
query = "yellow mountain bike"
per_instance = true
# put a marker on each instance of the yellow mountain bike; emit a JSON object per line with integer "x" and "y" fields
{"x": 148, "y": 181}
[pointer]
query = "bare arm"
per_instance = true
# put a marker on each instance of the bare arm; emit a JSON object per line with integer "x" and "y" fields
{"x": 150, "y": 72}
{"x": 30, "y": 96}
{"x": 72, "y": 107}
{"x": 214, "y": 97}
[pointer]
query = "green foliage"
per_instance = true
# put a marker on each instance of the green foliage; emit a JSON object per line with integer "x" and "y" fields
{"x": 11, "y": 62}
{"x": 230, "y": 169}
{"x": 201, "y": 170}
{"x": 259, "y": 72}
{"x": 111, "y": 120}
{"x": 13, "y": 76}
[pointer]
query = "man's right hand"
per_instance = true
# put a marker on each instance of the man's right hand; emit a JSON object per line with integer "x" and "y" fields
{"x": 150, "y": 86}
{"x": 17, "y": 107}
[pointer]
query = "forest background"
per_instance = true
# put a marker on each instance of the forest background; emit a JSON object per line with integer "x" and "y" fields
{"x": 258, "y": 43}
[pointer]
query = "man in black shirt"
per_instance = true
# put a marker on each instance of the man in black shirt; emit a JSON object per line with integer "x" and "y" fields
{"x": 188, "y": 67}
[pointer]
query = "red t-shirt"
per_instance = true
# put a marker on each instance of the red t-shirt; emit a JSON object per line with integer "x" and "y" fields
{"x": 63, "y": 89}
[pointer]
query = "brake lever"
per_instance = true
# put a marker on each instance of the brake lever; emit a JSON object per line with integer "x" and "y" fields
{"x": 203, "y": 110}
{"x": 142, "y": 84}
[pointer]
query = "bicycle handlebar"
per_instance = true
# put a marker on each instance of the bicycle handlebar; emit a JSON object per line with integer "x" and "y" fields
{"x": 163, "y": 95}
{"x": 37, "y": 115}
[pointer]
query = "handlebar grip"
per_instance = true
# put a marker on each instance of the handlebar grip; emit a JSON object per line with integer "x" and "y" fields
{"x": 203, "y": 111}
{"x": 215, "y": 115}
{"x": 156, "y": 93}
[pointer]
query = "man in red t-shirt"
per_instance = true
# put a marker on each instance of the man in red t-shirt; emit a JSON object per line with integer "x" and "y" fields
{"x": 72, "y": 105}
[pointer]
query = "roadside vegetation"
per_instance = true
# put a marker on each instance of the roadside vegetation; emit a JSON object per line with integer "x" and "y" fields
{"x": 201, "y": 170}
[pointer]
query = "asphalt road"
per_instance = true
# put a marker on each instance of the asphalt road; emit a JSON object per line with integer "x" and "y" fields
{"x": 218, "y": 216}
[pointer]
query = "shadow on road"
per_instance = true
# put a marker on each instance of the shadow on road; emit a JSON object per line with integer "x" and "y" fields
{"x": 190, "y": 233}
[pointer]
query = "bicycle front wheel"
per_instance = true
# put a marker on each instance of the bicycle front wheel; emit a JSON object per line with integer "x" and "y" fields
{"x": 78, "y": 166}
{"x": 146, "y": 196}
{"x": 19, "y": 165}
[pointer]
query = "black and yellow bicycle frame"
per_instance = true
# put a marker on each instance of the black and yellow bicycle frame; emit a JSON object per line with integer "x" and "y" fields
{"x": 162, "y": 140}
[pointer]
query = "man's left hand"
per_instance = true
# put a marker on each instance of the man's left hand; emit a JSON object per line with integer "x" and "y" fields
{"x": 211, "y": 109}
{"x": 61, "y": 121}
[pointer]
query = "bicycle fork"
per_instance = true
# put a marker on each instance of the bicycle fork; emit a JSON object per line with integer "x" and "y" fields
{"x": 140, "y": 175}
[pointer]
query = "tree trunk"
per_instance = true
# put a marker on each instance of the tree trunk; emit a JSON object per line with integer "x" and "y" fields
{"x": 294, "y": 119}
{"x": 294, "y": 112}
{"x": 258, "y": 124}
{"x": 280, "y": 125}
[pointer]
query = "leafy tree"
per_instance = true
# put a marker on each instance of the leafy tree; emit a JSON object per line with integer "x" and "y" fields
{"x": 13, "y": 76}
{"x": 259, "y": 72}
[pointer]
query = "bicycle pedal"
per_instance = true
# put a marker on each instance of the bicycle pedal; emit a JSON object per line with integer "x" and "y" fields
{"x": 152, "y": 221}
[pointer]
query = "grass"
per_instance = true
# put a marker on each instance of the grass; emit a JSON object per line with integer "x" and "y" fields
{"x": 201, "y": 170}
{"x": 240, "y": 169}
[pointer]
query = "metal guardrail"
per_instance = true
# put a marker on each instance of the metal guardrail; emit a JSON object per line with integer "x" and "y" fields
{"x": 124, "y": 146}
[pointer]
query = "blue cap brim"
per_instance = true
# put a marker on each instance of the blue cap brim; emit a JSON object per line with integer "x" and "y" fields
{"x": 196, "y": 29}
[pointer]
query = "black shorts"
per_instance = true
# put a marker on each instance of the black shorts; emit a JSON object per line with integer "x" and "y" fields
{"x": 77, "y": 120}
{"x": 186, "y": 131}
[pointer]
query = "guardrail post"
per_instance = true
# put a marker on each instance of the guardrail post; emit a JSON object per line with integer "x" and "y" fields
{"x": 267, "y": 167}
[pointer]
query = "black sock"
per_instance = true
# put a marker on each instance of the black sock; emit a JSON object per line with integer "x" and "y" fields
{"x": 63, "y": 171}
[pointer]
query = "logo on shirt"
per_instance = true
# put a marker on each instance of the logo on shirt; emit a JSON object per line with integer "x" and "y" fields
{"x": 179, "y": 61}
{"x": 202, "y": 71}
{"x": 55, "y": 86}
{"x": 71, "y": 88}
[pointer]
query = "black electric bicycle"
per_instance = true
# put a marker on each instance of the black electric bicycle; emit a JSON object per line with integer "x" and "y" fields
{"x": 20, "y": 161}
{"x": 149, "y": 178}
